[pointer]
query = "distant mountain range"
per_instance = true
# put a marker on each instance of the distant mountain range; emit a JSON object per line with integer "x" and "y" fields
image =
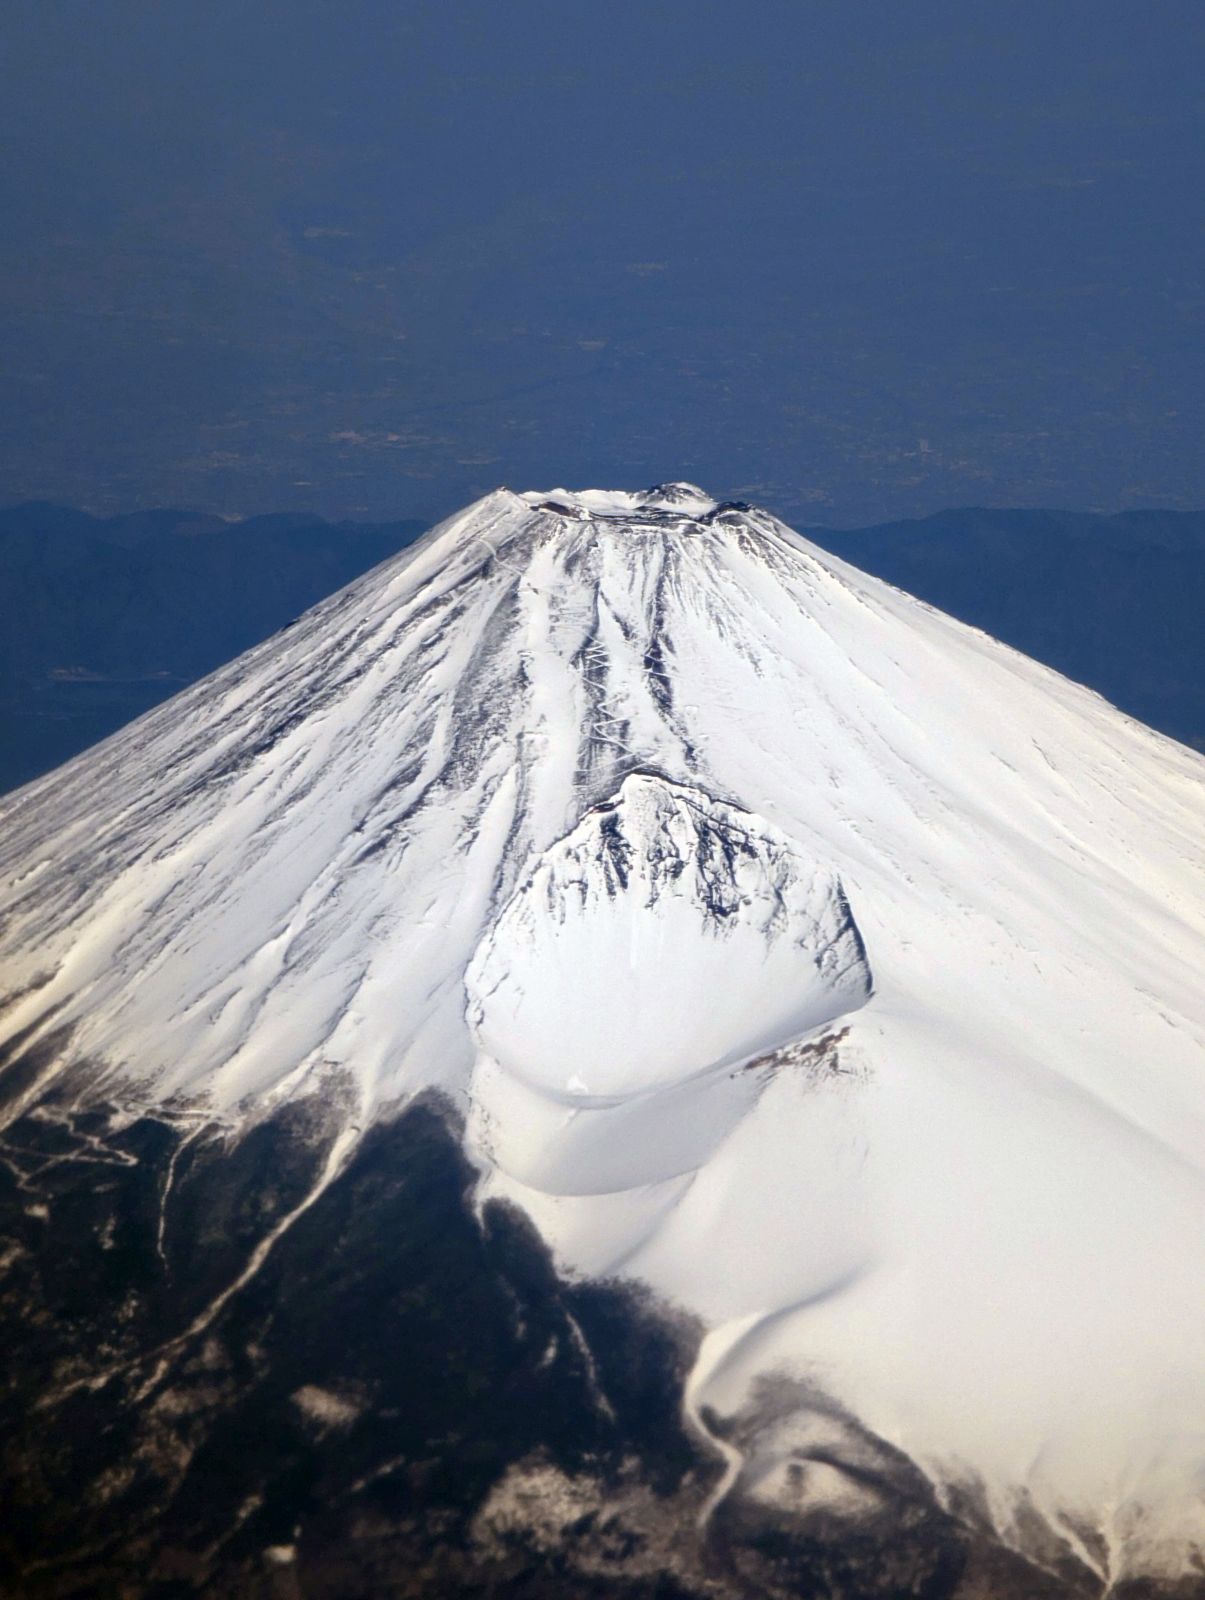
{"x": 106, "y": 617}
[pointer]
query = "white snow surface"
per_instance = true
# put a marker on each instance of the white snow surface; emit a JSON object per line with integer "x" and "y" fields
{"x": 789, "y": 946}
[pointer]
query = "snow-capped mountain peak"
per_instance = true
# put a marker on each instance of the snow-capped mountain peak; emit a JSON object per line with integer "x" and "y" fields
{"x": 597, "y": 812}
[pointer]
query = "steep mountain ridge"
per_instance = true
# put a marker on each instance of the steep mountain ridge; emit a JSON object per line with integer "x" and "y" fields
{"x": 1111, "y": 601}
{"x": 789, "y": 949}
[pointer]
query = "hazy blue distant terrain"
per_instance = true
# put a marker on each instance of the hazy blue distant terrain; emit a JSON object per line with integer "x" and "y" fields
{"x": 106, "y": 618}
{"x": 849, "y": 262}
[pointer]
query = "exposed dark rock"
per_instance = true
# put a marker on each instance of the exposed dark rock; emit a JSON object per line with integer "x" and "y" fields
{"x": 402, "y": 1401}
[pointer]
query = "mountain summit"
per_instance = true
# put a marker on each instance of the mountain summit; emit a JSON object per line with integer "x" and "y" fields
{"x": 811, "y": 964}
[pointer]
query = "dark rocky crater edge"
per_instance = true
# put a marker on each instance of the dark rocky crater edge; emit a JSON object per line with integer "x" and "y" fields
{"x": 402, "y": 1398}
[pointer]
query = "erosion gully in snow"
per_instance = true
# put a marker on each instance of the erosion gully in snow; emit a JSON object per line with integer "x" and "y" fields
{"x": 616, "y": 1052}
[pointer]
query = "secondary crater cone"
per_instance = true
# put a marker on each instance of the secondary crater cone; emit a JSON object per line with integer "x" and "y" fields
{"x": 667, "y": 934}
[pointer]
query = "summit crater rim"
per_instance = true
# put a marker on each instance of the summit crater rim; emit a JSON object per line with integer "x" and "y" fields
{"x": 669, "y": 503}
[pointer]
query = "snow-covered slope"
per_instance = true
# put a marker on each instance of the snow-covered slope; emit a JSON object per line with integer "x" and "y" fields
{"x": 788, "y": 946}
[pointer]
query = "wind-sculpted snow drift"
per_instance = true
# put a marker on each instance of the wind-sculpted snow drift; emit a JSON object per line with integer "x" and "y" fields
{"x": 790, "y": 955}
